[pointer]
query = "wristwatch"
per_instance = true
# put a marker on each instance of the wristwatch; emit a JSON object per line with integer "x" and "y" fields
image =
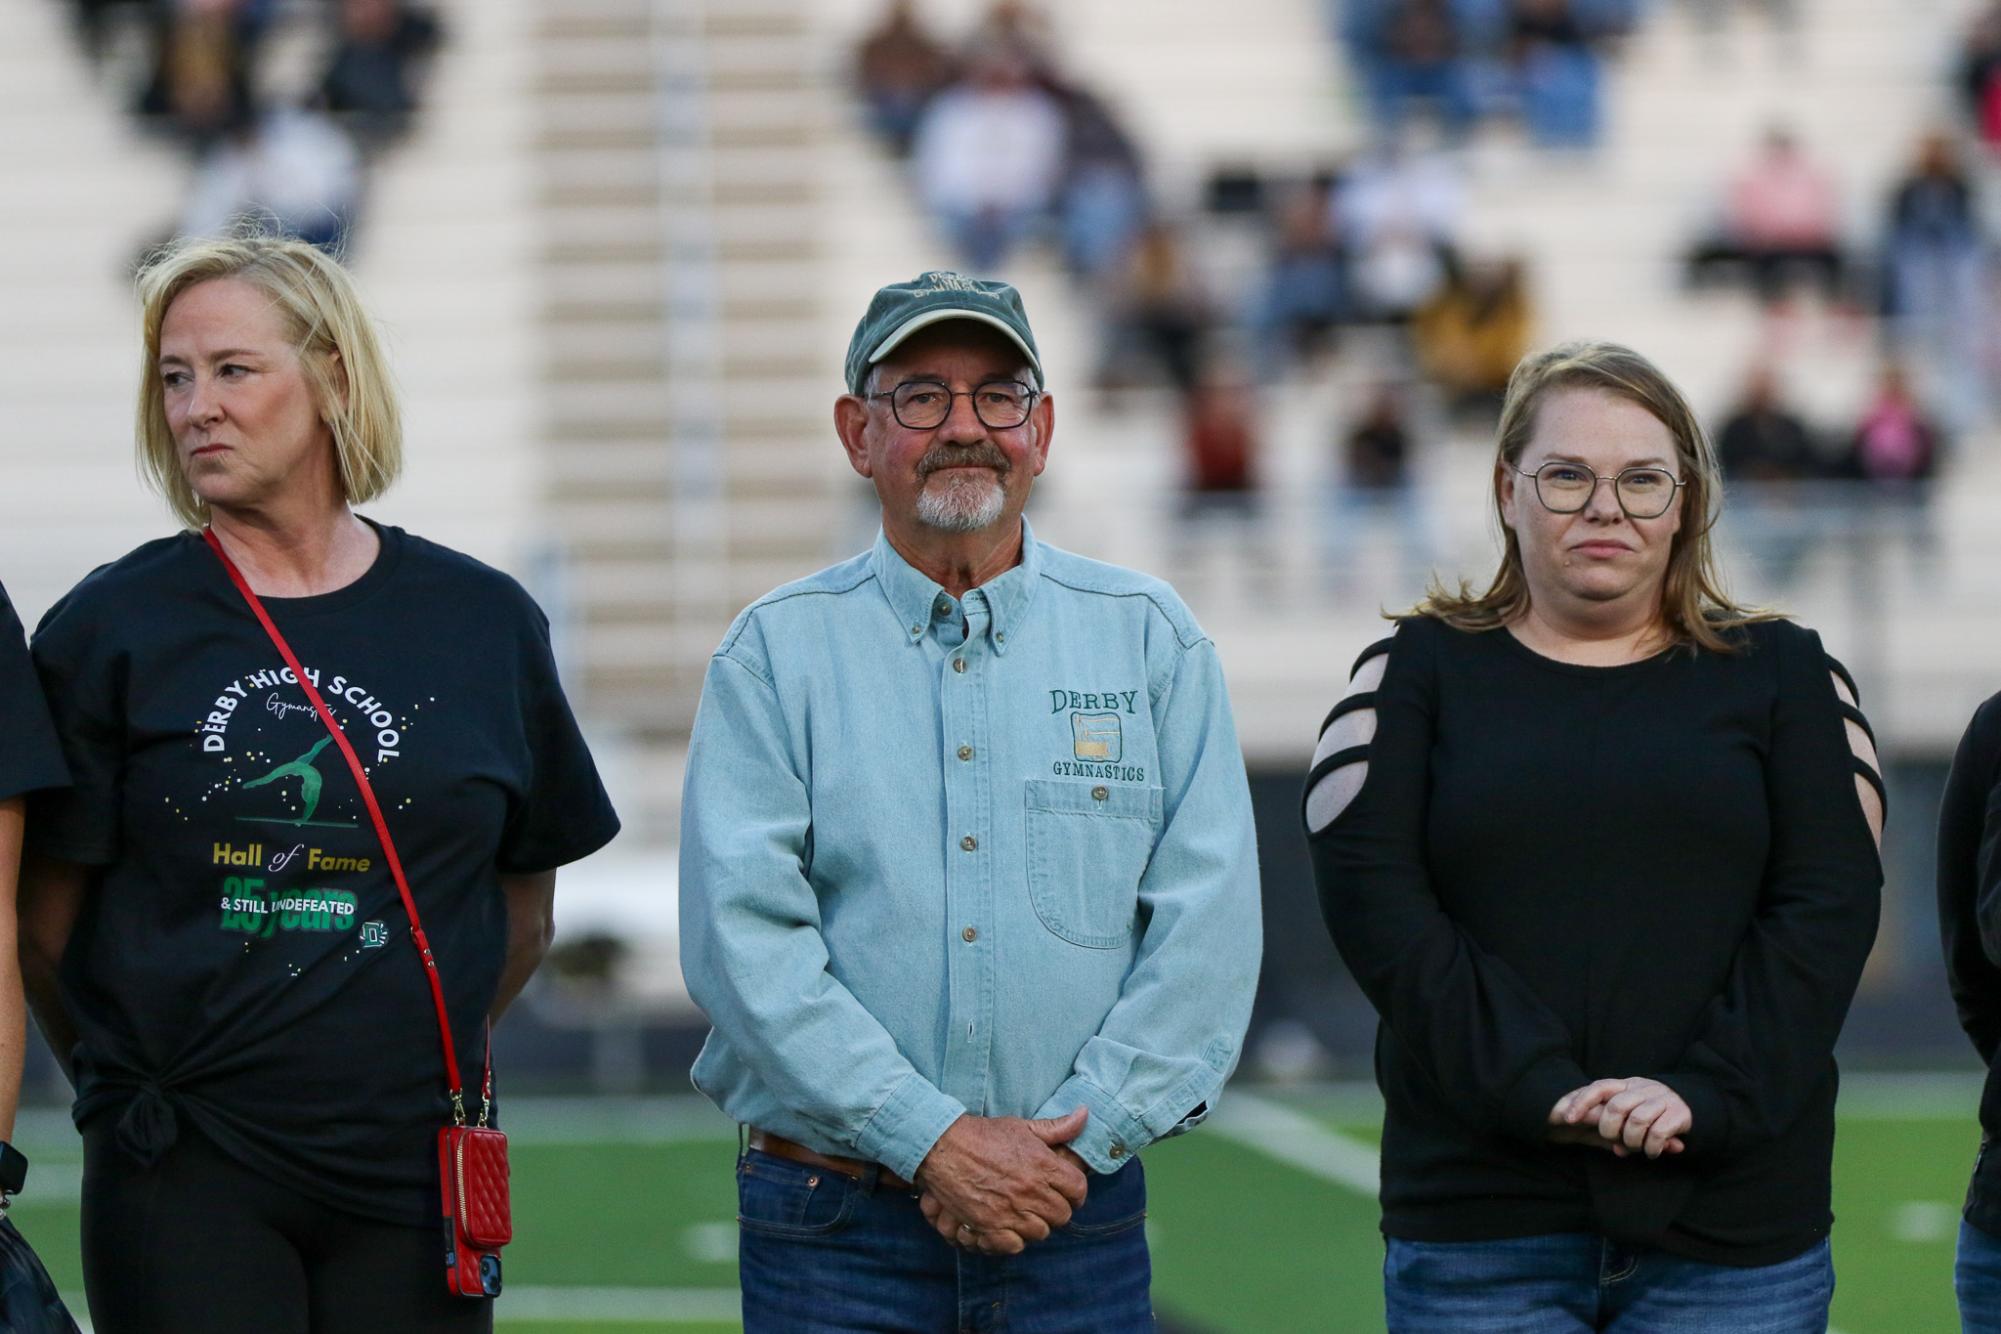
{"x": 13, "y": 1170}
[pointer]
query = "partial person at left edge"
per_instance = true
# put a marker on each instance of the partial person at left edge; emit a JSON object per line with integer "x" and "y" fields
{"x": 214, "y": 945}
{"x": 30, "y": 761}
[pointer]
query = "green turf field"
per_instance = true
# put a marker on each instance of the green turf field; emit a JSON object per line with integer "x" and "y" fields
{"x": 1260, "y": 1222}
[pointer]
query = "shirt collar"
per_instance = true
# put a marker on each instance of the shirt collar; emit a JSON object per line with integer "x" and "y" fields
{"x": 914, "y": 595}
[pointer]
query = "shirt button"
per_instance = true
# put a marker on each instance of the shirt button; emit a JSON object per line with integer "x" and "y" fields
{"x": 969, "y": 935}
{"x": 1117, "y": 1150}
{"x": 965, "y": 752}
{"x": 1099, "y": 794}
{"x": 1000, "y": 636}
{"x": 916, "y": 629}
{"x": 958, "y": 664}
{"x": 942, "y": 605}
{"x": 969, "y": 843}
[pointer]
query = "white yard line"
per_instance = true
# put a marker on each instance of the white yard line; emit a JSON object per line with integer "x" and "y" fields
{"x": 1298, "y": 1140}
{"x": 617, "y": 1306}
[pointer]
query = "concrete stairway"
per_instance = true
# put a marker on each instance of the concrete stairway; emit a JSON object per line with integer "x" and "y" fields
{"x": 679, "y": 308}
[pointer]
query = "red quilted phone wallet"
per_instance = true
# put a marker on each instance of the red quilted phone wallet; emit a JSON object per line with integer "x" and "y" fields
{"x": 472, "y": 1175}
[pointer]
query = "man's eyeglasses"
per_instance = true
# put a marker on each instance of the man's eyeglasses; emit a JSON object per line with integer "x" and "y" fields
{"x": 1566, "y": 488}
{"x": 922, "y": 405}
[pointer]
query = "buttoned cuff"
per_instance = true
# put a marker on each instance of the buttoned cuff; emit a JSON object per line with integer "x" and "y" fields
{"x": 909, "y": 1122}
{"x": 1110, "y": 1137}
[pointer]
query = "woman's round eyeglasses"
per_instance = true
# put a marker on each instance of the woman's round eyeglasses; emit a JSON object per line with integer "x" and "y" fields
{"x": 1566, "y": 488}
{"x": 922, "y": 405}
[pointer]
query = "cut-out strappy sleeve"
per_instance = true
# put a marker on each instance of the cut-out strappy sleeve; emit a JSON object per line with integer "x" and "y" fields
{"x": 1341, "y": 760}
{"x": 1869, "y": 789}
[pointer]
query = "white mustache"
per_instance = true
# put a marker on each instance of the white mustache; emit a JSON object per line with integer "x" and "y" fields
{"x": 976, "y": 457}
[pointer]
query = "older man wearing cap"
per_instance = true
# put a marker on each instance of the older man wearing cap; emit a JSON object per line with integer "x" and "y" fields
{"x": 968, "y": 882}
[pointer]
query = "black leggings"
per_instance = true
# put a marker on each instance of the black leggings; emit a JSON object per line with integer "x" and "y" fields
{"x": 197, "y": 1244}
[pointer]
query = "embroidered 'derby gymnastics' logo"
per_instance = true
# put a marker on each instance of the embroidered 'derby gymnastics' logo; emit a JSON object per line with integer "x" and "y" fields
{"x": 1097, "y": 733}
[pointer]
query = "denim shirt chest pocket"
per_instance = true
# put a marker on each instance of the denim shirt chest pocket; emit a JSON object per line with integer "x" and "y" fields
{"x": 1087, "y": 846}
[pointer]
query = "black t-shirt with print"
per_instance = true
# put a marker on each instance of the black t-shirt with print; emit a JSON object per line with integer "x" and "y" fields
{"x": 29, "y": 757}
{"x": 244, "y": 961}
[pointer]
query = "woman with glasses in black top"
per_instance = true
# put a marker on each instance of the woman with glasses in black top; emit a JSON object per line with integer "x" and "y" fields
{"x": 1600, "y": 846}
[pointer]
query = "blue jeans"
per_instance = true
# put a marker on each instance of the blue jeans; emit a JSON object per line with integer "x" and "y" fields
{"x": 1976, "y": 1278}
{"x": 1573, "y": 1282}
{"x": 822, "y": 1253}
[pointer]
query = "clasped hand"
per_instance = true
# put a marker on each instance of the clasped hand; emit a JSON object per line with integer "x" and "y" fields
{"x": 995, "y": 1184}
{"x": 1622, "y": 1116}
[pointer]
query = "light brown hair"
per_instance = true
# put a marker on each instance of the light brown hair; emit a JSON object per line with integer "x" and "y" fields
{"x": 1694, "y": 606}
{"x": 329, "y": 329}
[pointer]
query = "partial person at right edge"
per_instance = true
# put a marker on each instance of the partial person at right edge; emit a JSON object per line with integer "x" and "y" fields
{"x": 1600, "y": 847}
{"x": 1969, "y": 916}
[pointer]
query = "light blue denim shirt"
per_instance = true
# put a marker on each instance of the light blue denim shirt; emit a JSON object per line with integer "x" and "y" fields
{"x": 990, "y": 854}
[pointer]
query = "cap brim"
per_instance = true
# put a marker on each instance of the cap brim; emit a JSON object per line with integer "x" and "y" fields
{"x": 910, "y": 326}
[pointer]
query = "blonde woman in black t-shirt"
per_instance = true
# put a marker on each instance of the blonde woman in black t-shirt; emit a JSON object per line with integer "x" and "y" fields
{"x": 1600, "y": 846}
{"x": 213, "y": 943}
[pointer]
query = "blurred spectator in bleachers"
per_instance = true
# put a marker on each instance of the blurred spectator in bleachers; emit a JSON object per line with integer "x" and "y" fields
{"x": 1303, "y": 294}
{"x": 989, "y": 156}
{"x": 1470, "y": 335}
{"x": 899, "y": 67}
{"x": 1781, "y": 220}
{"x": 1398, "y": 212}
{"x": 1555, "y": 71}
{"x": 1934, "y": 261}
{"x": 1102, "y": 202}
{"x": 291, "y": 169}
{"x": 1896, "y": 452}
{"x": 1980, "y": 75}
{"x": 1219, "y": 522}
{"x": 1412, "y": 55}
{"x": 1763, "y": 440}
{"x": 1766, "y": 449}
{"x": 1221, "y": 443}
{"x": 200, "y": 84}
{"x": 379, "y": 49}
{"x": 1157, "y": 316}
{"x": 1896, "y": 442}
{"x": 1374, "y": 498}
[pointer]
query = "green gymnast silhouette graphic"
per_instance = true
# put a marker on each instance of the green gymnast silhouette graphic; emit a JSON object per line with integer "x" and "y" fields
{"x": 309, "y": 779}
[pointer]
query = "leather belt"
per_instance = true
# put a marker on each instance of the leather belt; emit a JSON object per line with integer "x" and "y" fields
{"x": 780, "y": 1147}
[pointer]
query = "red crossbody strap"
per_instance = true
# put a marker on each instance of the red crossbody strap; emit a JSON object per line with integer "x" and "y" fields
{"x": 381, "y": 829}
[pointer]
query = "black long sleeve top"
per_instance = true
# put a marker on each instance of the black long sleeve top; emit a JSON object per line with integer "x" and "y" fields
{"x": 1969, "y": 918}
{"x": 1553, "y": 874}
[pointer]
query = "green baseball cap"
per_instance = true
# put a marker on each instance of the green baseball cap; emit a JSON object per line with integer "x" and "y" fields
{"x": 901, "y": 309}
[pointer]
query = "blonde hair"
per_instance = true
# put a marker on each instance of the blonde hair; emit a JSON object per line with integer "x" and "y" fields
{"x": 1694, "y": 606}
{"x": 329, "y": 329}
